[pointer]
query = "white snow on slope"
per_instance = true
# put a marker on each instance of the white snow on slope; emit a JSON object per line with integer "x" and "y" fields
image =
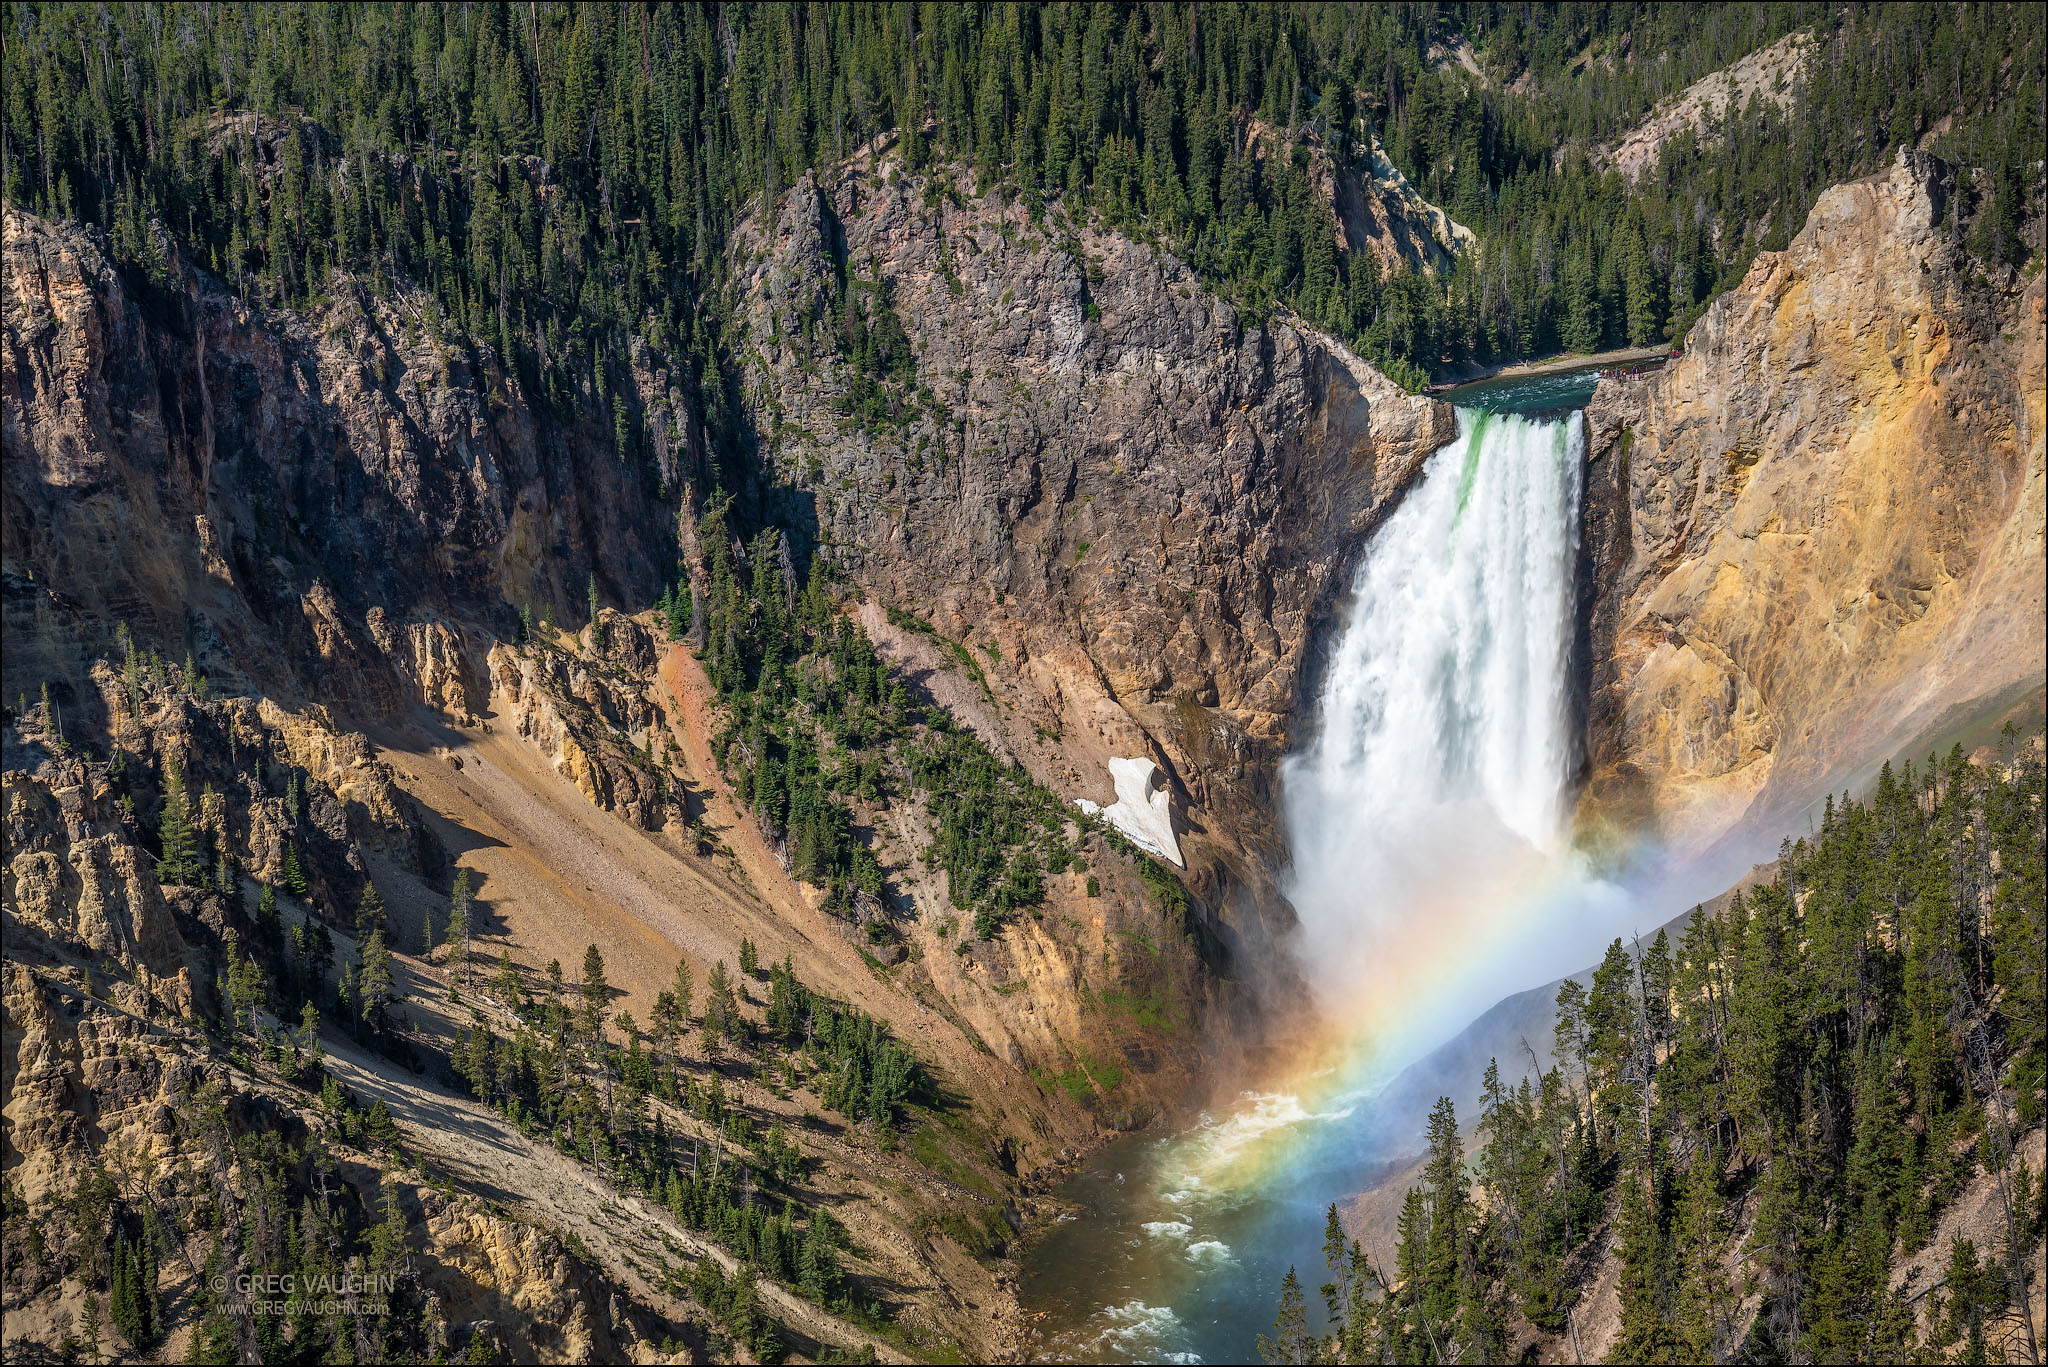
{"x": 1140, "y": 812}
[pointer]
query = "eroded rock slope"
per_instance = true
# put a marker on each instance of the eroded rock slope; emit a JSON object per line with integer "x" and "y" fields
{"x": 1131, "y": 504}
{"x": 1818, "y": 533}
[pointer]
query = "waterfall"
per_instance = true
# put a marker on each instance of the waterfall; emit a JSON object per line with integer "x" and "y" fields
{"x": 1438, "y": 778}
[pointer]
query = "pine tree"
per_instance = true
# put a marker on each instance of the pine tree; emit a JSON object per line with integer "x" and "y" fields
{"x": 132, "y": 1300}
{"x": 1707, "y": 1300}
{"x": 94, "y": 1316}
{"x": 294, "y": 875}
{"x": 718, "y": 1025}
{"x": 1581, "y": 328}
{"x": 1646, "y": 1334}
{"x": 269, "y": 922}
{"x": 596, "y": 992}
{"x": 505, "y": 983}
{"x": 1569, "y": 1038}
{"x": 458, "y": 925}
{"x": 179, "y": 843}
{"x": 1291, "y": 1342}
{"x": 1642, "y": 294}
{"x": 683, "y": 991}
{"x": 120, "y": 1291}
{"x": 1337, "y": 1291}
{"x": 374, "y": 982}
{"x": 1448, "y": 1236}
{"x": 369, "y": 912}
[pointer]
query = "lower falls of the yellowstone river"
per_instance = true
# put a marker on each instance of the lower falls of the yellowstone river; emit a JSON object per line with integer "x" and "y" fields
{"x": 1430, "y": 873}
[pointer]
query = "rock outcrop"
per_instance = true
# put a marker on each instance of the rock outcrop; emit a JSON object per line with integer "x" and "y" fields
{"x": 1374, "y": 209}
{"x": 1134, "y": 506}
{"x": 1819, "y": 532}
{"x": 312, "y": 505}
{"x": 590, "y": 715}
{"x": 1768, "y": 76}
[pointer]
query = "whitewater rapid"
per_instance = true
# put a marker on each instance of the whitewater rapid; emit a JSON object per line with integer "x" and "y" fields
{"x": 1443, "y": 751}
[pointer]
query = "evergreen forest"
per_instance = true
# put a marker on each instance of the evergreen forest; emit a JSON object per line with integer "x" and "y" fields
{"x": 1756, "y": 1121}
{"x": 556, "y": 179}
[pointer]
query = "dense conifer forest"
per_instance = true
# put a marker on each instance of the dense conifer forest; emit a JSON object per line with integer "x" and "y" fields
{"x": 558, "y": 178}
{"x": 1777, "y": 1106}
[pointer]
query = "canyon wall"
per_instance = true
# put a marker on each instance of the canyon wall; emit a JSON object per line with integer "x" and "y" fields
{"x": 1817, "y": 535}
{"x": 309, "y": 503}
{"x": 284, "y": 553}
{"x": 1134, "y": 506}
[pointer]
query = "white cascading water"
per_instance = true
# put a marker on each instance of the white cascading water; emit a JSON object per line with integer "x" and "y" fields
{"x": 1438, "y": 779}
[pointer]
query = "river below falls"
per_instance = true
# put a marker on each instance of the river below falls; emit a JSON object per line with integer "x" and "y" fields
{"x": 1165, "y": 1263}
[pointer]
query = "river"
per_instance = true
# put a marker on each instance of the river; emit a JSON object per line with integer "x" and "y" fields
{"x": 1554, "y": 391}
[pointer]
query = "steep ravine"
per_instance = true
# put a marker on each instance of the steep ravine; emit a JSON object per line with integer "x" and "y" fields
{"x": 1132, "y": 509}
{"x": 334, "y": 519}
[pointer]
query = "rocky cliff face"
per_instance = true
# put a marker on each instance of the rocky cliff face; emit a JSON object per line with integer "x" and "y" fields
{"x": 1373, "y": 208}
{"x": 590, "y": 715}
{"x": 1818, "y": 533}
{"x": 308, "y": 503}
{"x": 1130, "y": 504}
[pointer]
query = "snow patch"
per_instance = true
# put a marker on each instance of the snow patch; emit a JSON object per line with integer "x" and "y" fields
{"x": 1141, "y": 812}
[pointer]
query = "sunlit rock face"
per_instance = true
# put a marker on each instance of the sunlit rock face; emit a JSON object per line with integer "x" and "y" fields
{"x": 1818, "y": 533}
{"x": 1134, "y": 508}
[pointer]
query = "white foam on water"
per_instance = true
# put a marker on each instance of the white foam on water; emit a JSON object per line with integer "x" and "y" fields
{"x": 1168, "y": 1229}
{"x": 1141, "y": 1330}
{"x": 1210, "y": 1251}
{"x": 1214, "y": 1145}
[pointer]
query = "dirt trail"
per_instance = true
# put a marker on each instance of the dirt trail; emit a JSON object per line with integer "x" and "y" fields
{"x": 485, "y": 1152}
